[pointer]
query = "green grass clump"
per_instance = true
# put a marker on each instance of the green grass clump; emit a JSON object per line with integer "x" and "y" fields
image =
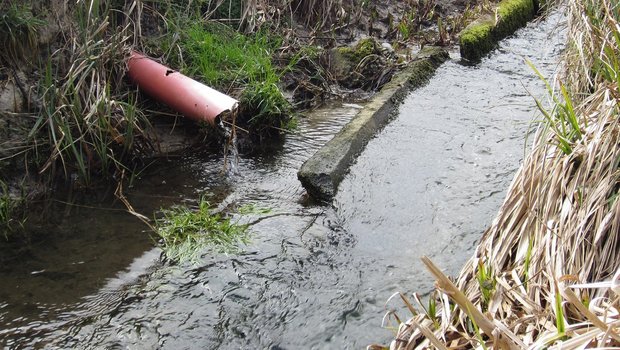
{"x": 562, "y": 118}
{"x": 18, "y": 32}
{"x": 487, "y": 282}
{"x": 264, "y": 103}
{"x": 221, "y": 56}
{"x": 185, "y": 232}
{"x": 224, "y": 58}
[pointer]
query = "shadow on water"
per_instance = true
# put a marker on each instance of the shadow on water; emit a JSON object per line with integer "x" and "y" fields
{"x": 312, "y": 276}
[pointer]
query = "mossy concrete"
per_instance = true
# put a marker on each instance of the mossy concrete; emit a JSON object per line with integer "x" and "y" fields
{"x": 481, "y": 36}
{"x": 323, "y": 172}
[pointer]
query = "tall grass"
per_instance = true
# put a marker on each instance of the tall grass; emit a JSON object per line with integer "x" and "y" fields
{"x": 559, "y": 223}
{"x": 89, "y": 117}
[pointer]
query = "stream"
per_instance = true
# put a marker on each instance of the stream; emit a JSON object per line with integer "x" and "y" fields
{"x": 312, "y": 276}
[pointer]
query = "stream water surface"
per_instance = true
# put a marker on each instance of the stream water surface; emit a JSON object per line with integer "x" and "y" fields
{"x": 313, "y": 276}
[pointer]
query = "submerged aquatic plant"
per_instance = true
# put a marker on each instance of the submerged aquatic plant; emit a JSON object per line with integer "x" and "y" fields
{"x": 185, "y": 232}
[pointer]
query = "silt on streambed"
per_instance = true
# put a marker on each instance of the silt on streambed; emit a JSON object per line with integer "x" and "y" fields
{"x": 312, "y": 276}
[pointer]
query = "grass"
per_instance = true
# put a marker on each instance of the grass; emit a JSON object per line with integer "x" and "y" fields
{"x": 559, "y": 222}
{"x": 224, "y": 58}
{"x": 18, "y": 32}
{"x": 238, "y": 64}
{"x": 89, "y": 117}
{"x": 10, "y": 207}
{"x": 561, "y": 119}
{"x": 185, "y": 232}
{"x": 221, "y": 56}
{"x": 486, "y": 282}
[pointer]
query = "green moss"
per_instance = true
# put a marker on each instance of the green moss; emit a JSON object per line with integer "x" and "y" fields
{"x": 512, "y": 14}
{"x": 480, "y": 37}
{"x": 476, "y": 40}
{"x": 366, "y": 47}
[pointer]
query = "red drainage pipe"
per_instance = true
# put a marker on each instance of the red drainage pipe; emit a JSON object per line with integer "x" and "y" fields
{"x": 183, "y": 94}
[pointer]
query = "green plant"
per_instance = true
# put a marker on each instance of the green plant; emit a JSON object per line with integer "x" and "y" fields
{"x": 561, "y": 119}
{"x": 431, "y": 312}
{"x": 560, "y": 322}
{"x": 9, "y": 208}
{"x": 528, "y": 261}
{"x": 18, "y": 32}
{"x": 486, "y": 281}
{"x": 265, "y": 104}
{"x": 224, "y": 58}
{"x": 185, "y": 232}
{"x": 478, "y": 333}
{"x": 91, "y": 123}
{"x": 221, "y": 56}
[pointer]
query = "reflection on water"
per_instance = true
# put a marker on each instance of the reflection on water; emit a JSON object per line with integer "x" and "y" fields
{"x": 313, "y": 276}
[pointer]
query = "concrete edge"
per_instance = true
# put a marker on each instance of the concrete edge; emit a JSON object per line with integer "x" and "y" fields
{"x": 481, "y": 36}
{"x": 323, "y": 172}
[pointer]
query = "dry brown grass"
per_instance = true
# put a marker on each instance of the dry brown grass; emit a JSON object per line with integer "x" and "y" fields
{"x": 559, "y": 224}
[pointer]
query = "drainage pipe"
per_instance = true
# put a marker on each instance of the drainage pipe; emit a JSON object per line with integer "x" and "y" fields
{"x": 183, "y": 94}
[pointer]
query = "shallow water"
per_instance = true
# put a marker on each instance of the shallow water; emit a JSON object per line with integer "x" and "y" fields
{"x": 313, "y": 276}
